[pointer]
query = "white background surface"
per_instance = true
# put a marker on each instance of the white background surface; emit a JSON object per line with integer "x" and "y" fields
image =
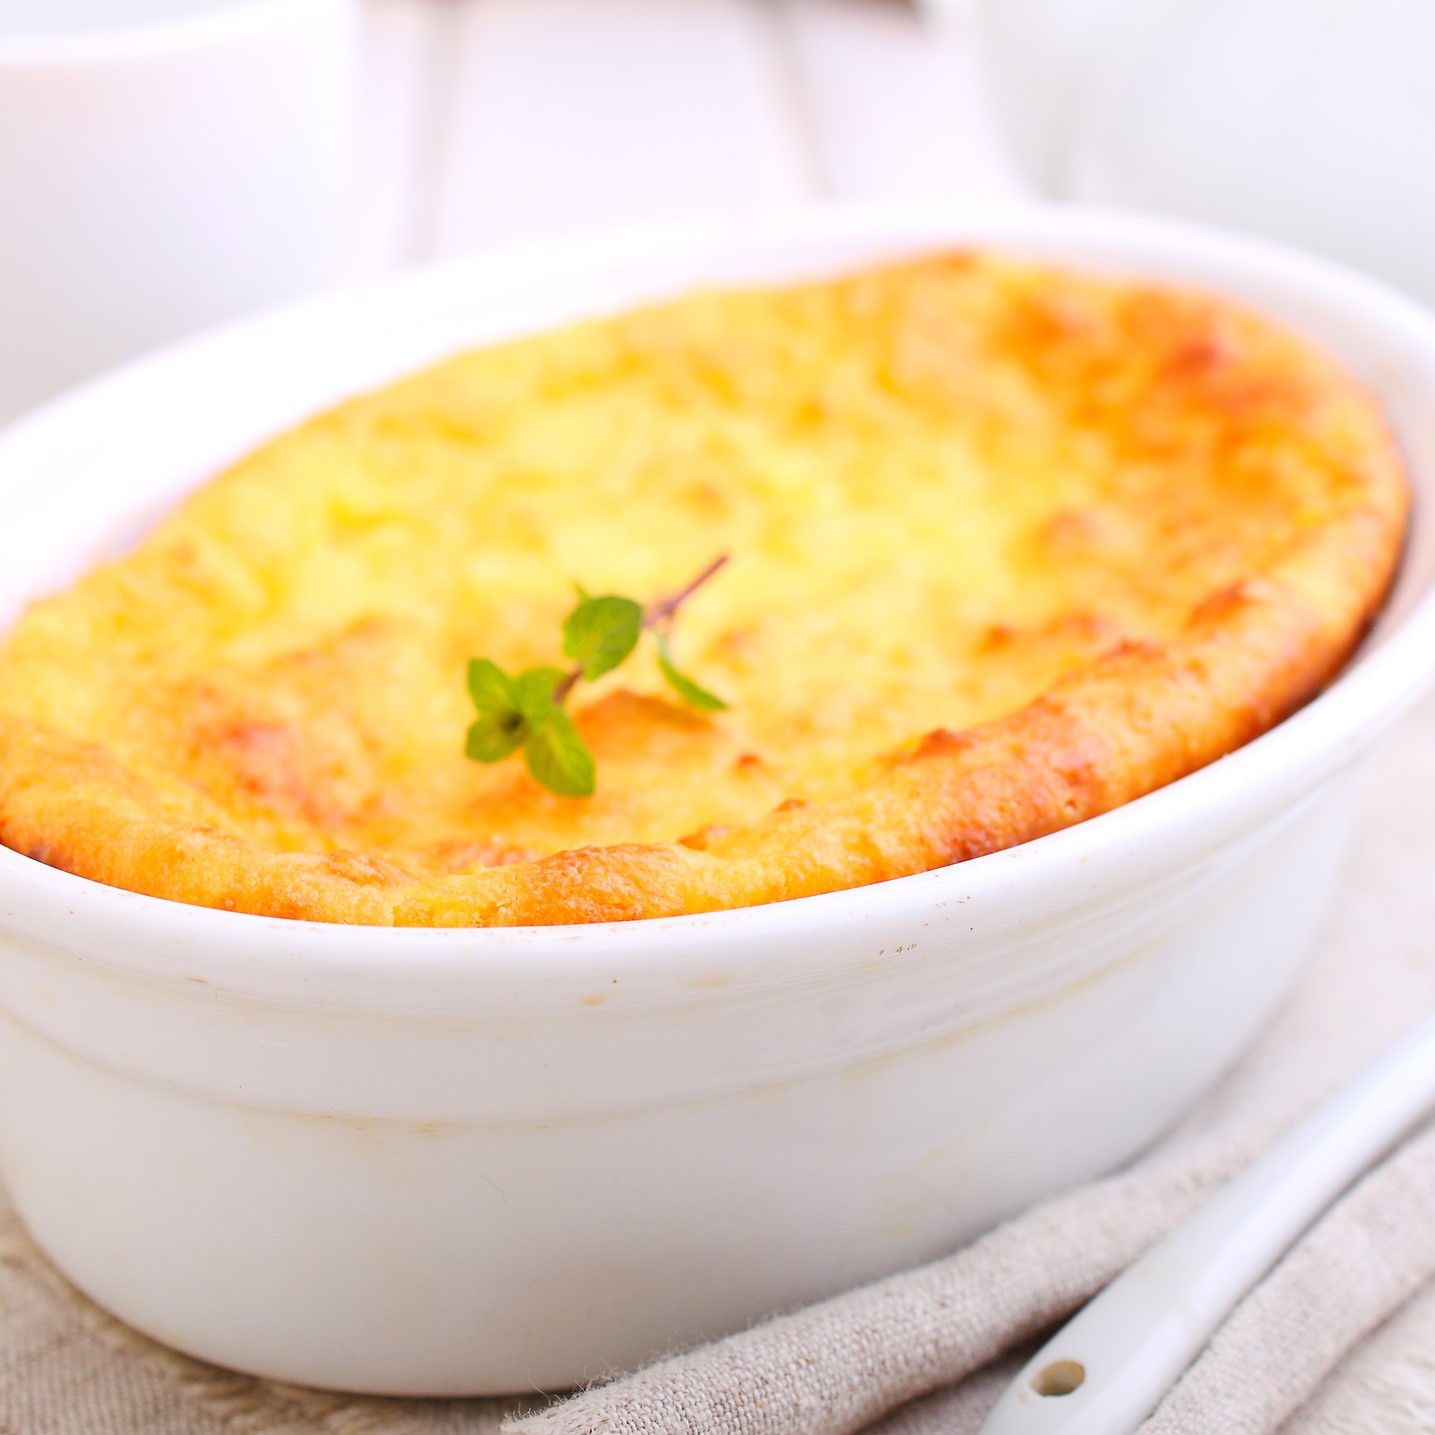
{"x": 498, "y": 121}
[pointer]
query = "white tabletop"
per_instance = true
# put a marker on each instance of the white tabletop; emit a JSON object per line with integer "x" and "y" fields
{"x": 499, "y": 121}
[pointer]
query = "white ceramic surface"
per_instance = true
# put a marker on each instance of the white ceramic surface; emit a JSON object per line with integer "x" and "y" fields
{"x": 164, "y": 164}
{"x": 465, "y": 1161}
{"x": 1306, "y": 120}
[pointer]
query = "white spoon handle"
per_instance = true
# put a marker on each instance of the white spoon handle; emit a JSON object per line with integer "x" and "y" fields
{"x": 1108, "y": 1367}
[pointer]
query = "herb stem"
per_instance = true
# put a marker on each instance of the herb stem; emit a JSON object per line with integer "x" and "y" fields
{"x": 664, "y": 608}
{"x": 562, "y": 689}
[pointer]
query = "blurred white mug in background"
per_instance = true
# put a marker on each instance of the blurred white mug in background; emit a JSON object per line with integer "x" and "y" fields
{"x": 1312, "y": 121}
{"x": 164, "y": 164}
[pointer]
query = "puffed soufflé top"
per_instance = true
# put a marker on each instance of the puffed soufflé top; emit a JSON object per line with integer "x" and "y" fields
{"x": 1008, "y": 546}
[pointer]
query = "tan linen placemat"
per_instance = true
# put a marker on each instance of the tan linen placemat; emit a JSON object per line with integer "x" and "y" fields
{"x": 66, "y": 1368}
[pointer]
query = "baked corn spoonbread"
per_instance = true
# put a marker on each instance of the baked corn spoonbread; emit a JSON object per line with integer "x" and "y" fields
{"x": 1007, "y": 546}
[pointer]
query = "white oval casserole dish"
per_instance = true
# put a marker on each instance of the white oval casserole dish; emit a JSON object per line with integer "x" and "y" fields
{"x": 450, "y": 1162}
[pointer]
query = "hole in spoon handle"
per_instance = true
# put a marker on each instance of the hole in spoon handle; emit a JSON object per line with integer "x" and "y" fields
{"x": 1060, "y": 1377}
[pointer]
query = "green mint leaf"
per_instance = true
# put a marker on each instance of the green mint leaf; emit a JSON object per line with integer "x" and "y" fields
{"x": 498, "y": 732}
{"x": 559, "y": 758}
{"x": 600, "y": 632}
{"x": 489, "y": 686}
{"x": 684, "y": 686}
{"x": 533, "y": 694}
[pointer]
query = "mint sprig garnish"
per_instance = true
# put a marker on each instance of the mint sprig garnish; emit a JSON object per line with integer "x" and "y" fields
{"x": 685, "y": 687}
{"x": 526, "y": 709}
{"x": 601, "y": 632}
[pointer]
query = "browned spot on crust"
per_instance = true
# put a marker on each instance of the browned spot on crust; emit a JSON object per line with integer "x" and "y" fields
{"x": 1198, "y": 358}
{"x": 1224, "y": 604}
{"x": 363, "y": 869}
{"x": 939, "y": 742}
{"x": 623, "y": 720}
{"x": 1070, "y": 531}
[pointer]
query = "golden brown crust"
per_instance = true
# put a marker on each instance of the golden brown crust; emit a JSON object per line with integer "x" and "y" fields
{"x": 1169, "y": 524}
